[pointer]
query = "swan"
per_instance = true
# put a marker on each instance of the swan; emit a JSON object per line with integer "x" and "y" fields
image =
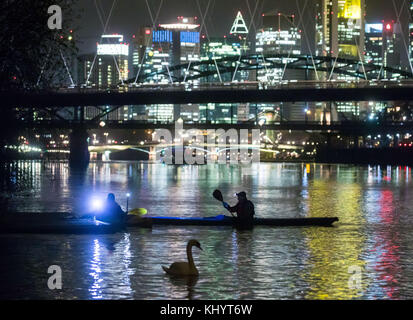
{"x": 185, "y": 268}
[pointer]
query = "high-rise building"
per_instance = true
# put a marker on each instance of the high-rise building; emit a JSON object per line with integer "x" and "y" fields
{"x": 383, "y": 45}
{"x": 217, "y": 49}
{"x": 155, "y": 51}
{"x": 109, "y": 66}
{"x": 340, "y": 26}
{"x": 235, "y": 44}
{"x": 279, "y": 35}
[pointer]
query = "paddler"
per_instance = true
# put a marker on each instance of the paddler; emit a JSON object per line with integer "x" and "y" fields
{"x": 244, "y": 209}
{"x": 112, "y": 212}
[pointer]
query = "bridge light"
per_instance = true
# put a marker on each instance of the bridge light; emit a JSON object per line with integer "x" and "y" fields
{"x": 102, "y": 124}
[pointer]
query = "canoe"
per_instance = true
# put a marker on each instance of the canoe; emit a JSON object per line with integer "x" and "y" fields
{"x": 59, "y": 223}
{"x": 63, "y": 226}
{"x": 222, "y": 220}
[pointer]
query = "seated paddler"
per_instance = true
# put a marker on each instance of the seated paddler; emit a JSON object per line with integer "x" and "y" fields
{"x": 244, "y": 209}
{"x": 111, "y": 211}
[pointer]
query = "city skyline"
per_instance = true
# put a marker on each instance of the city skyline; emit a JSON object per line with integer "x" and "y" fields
{"x": 128, "y": 16}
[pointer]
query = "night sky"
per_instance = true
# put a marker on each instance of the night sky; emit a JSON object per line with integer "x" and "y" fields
{"x": 128, "y": 15}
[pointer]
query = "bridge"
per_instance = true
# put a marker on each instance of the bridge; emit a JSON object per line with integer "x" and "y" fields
{"x": 352, "y": 91}
{"x": 316, "y": 65}
{"x": 345, "y": 127}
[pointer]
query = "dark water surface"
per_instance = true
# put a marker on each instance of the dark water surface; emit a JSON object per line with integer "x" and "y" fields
{"x": 374, "y": 235}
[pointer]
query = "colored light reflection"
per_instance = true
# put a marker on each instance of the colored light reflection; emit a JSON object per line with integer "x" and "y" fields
{"x": 333, "y": 252}
{"x": 385, "y": 247}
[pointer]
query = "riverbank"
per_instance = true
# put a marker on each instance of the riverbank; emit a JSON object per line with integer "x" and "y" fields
{"x": 362, "y": 156}
{"x": 372, "y": 156}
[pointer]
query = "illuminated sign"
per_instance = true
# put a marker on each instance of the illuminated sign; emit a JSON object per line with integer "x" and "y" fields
{"x": 181, "y": 26}
{"x": 113, "y": 49}
{"x": 190, "y": 37}
{"x": 374, "y": 28}
{"x": 162, "y": 36}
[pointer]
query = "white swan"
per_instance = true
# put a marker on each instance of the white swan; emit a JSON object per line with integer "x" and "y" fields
{"x": 185, "y": 268}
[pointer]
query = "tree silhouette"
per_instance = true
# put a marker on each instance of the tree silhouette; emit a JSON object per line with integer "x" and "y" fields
{"x": 31, "y": 53}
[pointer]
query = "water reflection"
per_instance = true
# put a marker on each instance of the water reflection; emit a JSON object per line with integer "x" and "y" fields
{"x": 374, "y": 233}
{"x": 96, "y": 290}
{"x": 335, "y": 251}
{"x": 187, "y": 282}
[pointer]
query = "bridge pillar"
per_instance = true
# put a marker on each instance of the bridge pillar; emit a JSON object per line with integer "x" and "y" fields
{"x": 79, "y": 152}
{"x": 356, "y": 141}
{"x": 152, "y": 154}
{"x": 329, "y": 138}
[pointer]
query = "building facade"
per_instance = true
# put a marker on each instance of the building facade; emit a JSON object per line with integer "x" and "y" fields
{"x": 109, "y": 66}
{"x": 279, "y": 36}
{"x": 383, "y": 45}
{"x": 340, "y": 32}
{"x": 156, "y": 51}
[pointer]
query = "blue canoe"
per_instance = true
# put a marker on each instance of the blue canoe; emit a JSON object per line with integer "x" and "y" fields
{"x": 222, "y": 220}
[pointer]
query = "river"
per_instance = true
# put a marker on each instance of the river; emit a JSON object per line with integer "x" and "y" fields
{"x": 366, "y": 255}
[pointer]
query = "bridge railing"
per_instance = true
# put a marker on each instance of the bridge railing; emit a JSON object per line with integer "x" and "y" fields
{"x": 291, "y": 84}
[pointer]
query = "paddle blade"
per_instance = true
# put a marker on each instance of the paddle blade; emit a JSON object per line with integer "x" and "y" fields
{"x": 218, "y": 195}
{"x": 138, "y": 211}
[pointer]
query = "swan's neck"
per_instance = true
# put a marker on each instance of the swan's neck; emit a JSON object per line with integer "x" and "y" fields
{"x": 189, "y": 254}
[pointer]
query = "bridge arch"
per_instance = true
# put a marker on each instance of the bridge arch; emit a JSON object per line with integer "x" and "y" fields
{"x": 328, "y": 65}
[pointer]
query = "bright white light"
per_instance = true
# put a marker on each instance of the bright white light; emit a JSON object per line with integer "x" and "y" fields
{"x": 96, "y": 204}
{"x": 113, "y": 49}
{"x": 128, "y": 194}
{"x": 182, "y": 26}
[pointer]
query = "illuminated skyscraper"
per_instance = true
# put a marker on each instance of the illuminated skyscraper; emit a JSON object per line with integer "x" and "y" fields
{"x": 279, "y": 35}
{"x": 340, "y": 28}
{"x": 216, "y": 49}
{"x": 383, "y": 45}
{"x": 155, "y": 51}
{"x": 109, "y": 66}
{"x": 235, "y": 44}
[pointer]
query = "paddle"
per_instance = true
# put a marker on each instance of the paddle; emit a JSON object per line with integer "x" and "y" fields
{"x": 218, "y": 195}
{"x": 138, "y": 212}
